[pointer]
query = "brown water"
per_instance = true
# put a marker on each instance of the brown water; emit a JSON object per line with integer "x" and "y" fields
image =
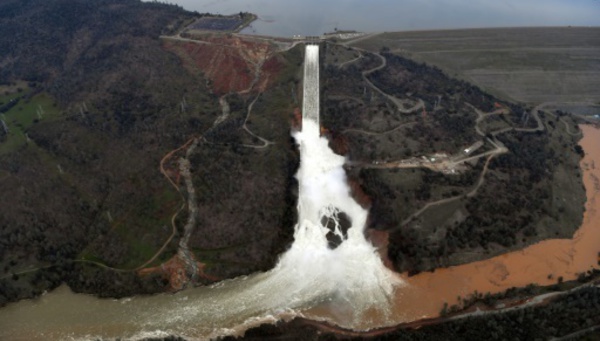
{"x": 309, "y": 273}
{"x": 426, "y": 293}
{"x": 63, "y": 315}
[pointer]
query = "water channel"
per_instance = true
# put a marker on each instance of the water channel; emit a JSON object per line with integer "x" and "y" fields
{"x": 347, "y": 285}
{"x": 351, "y": 276}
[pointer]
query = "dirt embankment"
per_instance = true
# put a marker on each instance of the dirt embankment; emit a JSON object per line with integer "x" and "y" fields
{"x": 231, "y": 64}
{"x": 174, "y": 271}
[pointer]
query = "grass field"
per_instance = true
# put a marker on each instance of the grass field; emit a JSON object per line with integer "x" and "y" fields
{"x": 528, "y": 65}
{"x": 22, "y": 116}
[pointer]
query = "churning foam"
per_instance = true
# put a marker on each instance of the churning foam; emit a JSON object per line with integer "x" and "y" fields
{"x": 352, "y": 272}
{"x": 351, "y": 276}
{"x": 310, "y": 272}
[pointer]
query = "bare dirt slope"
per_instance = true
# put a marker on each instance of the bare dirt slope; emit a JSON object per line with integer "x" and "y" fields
{"x": 230, "y": 63}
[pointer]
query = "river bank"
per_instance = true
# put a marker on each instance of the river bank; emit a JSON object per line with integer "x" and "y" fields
{"x": 285, "y": 18}
{"x": 542, "y": 263}
{"x": 63, "y": 314}
{"x": 308, "y": 273}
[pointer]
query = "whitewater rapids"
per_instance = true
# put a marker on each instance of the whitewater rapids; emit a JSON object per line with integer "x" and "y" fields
{"x": 353, "y": 272}
{"x": 350, "y": 277}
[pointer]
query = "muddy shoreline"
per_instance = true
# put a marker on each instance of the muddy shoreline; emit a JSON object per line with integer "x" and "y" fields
{"x": 543, "y": 263}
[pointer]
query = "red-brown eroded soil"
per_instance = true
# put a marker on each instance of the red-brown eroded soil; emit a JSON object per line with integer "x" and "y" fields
{"x": 174, "y": 271}
{"x": 230, "y": 63}
{"x": 297, "y": 120}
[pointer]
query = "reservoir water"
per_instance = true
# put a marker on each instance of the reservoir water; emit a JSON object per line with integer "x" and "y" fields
{"x": 312, "y": 17}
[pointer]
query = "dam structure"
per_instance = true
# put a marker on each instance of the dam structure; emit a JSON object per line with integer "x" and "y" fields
{"x": 352, "y": 274}
{"x": 311, "y": 85}
{"x": 348, "y": 285}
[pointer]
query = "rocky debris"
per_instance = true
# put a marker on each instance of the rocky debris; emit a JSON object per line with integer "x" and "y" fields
{"x": 175, "y": 271}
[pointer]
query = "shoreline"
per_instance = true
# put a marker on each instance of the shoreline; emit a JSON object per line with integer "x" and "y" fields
{"x": 247, "y": 22}
{"x": 426, "y": 300}
{"x": 420, "y": 30}
{"x": 422, "y": 300}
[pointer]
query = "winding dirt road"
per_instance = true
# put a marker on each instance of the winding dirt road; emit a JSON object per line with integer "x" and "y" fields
{"x": 397, "y": 102}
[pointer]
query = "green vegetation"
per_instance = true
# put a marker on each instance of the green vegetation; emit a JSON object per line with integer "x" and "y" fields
{"x": 138, "y": 234}
{"x": 246, "y": 189}
{"x": 86, "y": 192}
{"x": 574, "y": 312}
{"x": 519, "y": 295}
{"x": 339, "y": 55}
{"x": 539, "y": 178}
{"x": 87, "y": 199}
{"x": 87, "y": 184}
{"x": 30, "y": 109}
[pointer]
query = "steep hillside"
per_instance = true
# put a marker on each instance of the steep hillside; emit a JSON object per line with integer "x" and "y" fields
{"x": 99, "y": 105}
{"x": 455, "y": 174}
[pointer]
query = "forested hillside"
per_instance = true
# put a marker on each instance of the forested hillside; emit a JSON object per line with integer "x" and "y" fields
{"x": 92, "y": 102}
{"x": 454, "y": 174}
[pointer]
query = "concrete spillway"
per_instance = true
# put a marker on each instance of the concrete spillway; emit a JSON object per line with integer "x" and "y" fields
{"x": 352, "y": 274}
{"x": 350, "y": 278}
{"x": 310, "y": 100}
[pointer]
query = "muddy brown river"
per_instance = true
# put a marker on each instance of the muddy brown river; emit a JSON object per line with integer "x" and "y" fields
{"x": 61, "y": 314}
{"x": 425, "y": 294}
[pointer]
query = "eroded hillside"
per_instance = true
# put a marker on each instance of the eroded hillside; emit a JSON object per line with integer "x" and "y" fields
{"x": 230, "y": 63}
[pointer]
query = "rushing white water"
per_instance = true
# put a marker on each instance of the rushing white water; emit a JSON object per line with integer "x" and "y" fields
{"x": 352, "y": 272}
{"x": 311, "y": 97}
{"x": 351, "y": 276}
